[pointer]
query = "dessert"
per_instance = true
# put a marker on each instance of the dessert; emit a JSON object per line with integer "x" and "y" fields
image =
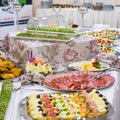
{"x": 35, "y": 65}
{"x": 66, "y": 106}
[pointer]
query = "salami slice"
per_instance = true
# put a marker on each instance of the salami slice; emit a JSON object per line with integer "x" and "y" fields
{"x": 104, "y": 82}
{"x": 74, "y": 81}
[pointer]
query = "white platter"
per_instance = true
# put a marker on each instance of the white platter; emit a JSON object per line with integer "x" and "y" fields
{"x": 24, "y": 115}
{"x": 42, "y": 39}
{"x": 77, "y": 66}
{"x": 55, "y": 33}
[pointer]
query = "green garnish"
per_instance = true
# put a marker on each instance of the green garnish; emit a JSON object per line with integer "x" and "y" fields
{"x": 78, "y": 112}
{"x": 61, "y": 30}
{"x": 63, "y": 105}
{"x": 46, "y": 36}
{"x": 66, "y": 109}
{"x": 61, "y": 101}
{"x": 68, "y": 113}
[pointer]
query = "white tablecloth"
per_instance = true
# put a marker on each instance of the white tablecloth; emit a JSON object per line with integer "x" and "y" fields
{"x": 112, "y": 94}
{"x": 111, "y": 18}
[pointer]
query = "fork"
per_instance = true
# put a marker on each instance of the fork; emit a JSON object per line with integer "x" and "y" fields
{"x": 20, "y": 87}
{"x": 97, "y": 77}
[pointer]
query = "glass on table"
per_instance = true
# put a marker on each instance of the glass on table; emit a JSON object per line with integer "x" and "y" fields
{"x": 33, "y": 24}
{"x": 57, "y": 12}
{"x": 82, "y": 10}
{"x": 16, "y": 7}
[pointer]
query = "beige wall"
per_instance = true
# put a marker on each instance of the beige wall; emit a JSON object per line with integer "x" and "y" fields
{"x": 35, "y": 5}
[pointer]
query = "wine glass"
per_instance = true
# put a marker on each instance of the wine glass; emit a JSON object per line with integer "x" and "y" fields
{"x": 82, "y": 10}
{"x": 57, "y": 14}
{"x": 16, "y": 7}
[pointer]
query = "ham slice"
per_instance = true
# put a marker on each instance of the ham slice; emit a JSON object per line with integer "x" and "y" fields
{"x": 78, "y": 80}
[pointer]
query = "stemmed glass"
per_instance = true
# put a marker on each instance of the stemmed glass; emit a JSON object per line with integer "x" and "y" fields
{"x": 16, "y": 7}
{"x": 57, "y": 13}
{"x": 82, "y": 10}
{"x": 34, "y": 22}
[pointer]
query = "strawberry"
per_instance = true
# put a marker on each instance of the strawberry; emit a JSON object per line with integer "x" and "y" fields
{"x": 96, "y": 64}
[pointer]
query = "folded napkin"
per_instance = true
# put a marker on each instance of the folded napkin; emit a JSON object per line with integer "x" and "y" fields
{"x": 2, "y": 54}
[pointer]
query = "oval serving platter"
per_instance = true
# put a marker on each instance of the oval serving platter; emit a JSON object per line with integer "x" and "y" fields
{"x": 24, "y": 115}
{"x": 78, "y": 65}
{"x": 77, "y": 81}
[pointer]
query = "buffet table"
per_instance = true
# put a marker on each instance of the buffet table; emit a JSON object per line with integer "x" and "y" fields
{"x": 13, "y": 112}
{"x": 55, "y": 53}
{"x": 111, "y": 18}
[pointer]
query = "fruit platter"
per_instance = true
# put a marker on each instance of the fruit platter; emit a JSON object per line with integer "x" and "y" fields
{"x": 35, "y": 65}
{"x": 54, "y": 30}
{"x": 109, "y": 34}
{"x": 79, "y": 80}
{"x": 42, "y": 37}
{"x": 9, "y": 70}
{"x": 88, "y": 65}
{"x": 59, "y": 106}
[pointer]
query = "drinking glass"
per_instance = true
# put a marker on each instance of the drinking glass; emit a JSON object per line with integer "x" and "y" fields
{"x": 82, "y": 10}
{"x": 57, "y": 11}
{"x": 57, "y": 14}
{"x": 16, "y": 7}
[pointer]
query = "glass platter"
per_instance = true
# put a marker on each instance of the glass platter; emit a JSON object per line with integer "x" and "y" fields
{"x": 71, "y": 66}
{"x": 56, "y": 33}
{"x": 24, "y": 115}
{"x": 70, "y": 81}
